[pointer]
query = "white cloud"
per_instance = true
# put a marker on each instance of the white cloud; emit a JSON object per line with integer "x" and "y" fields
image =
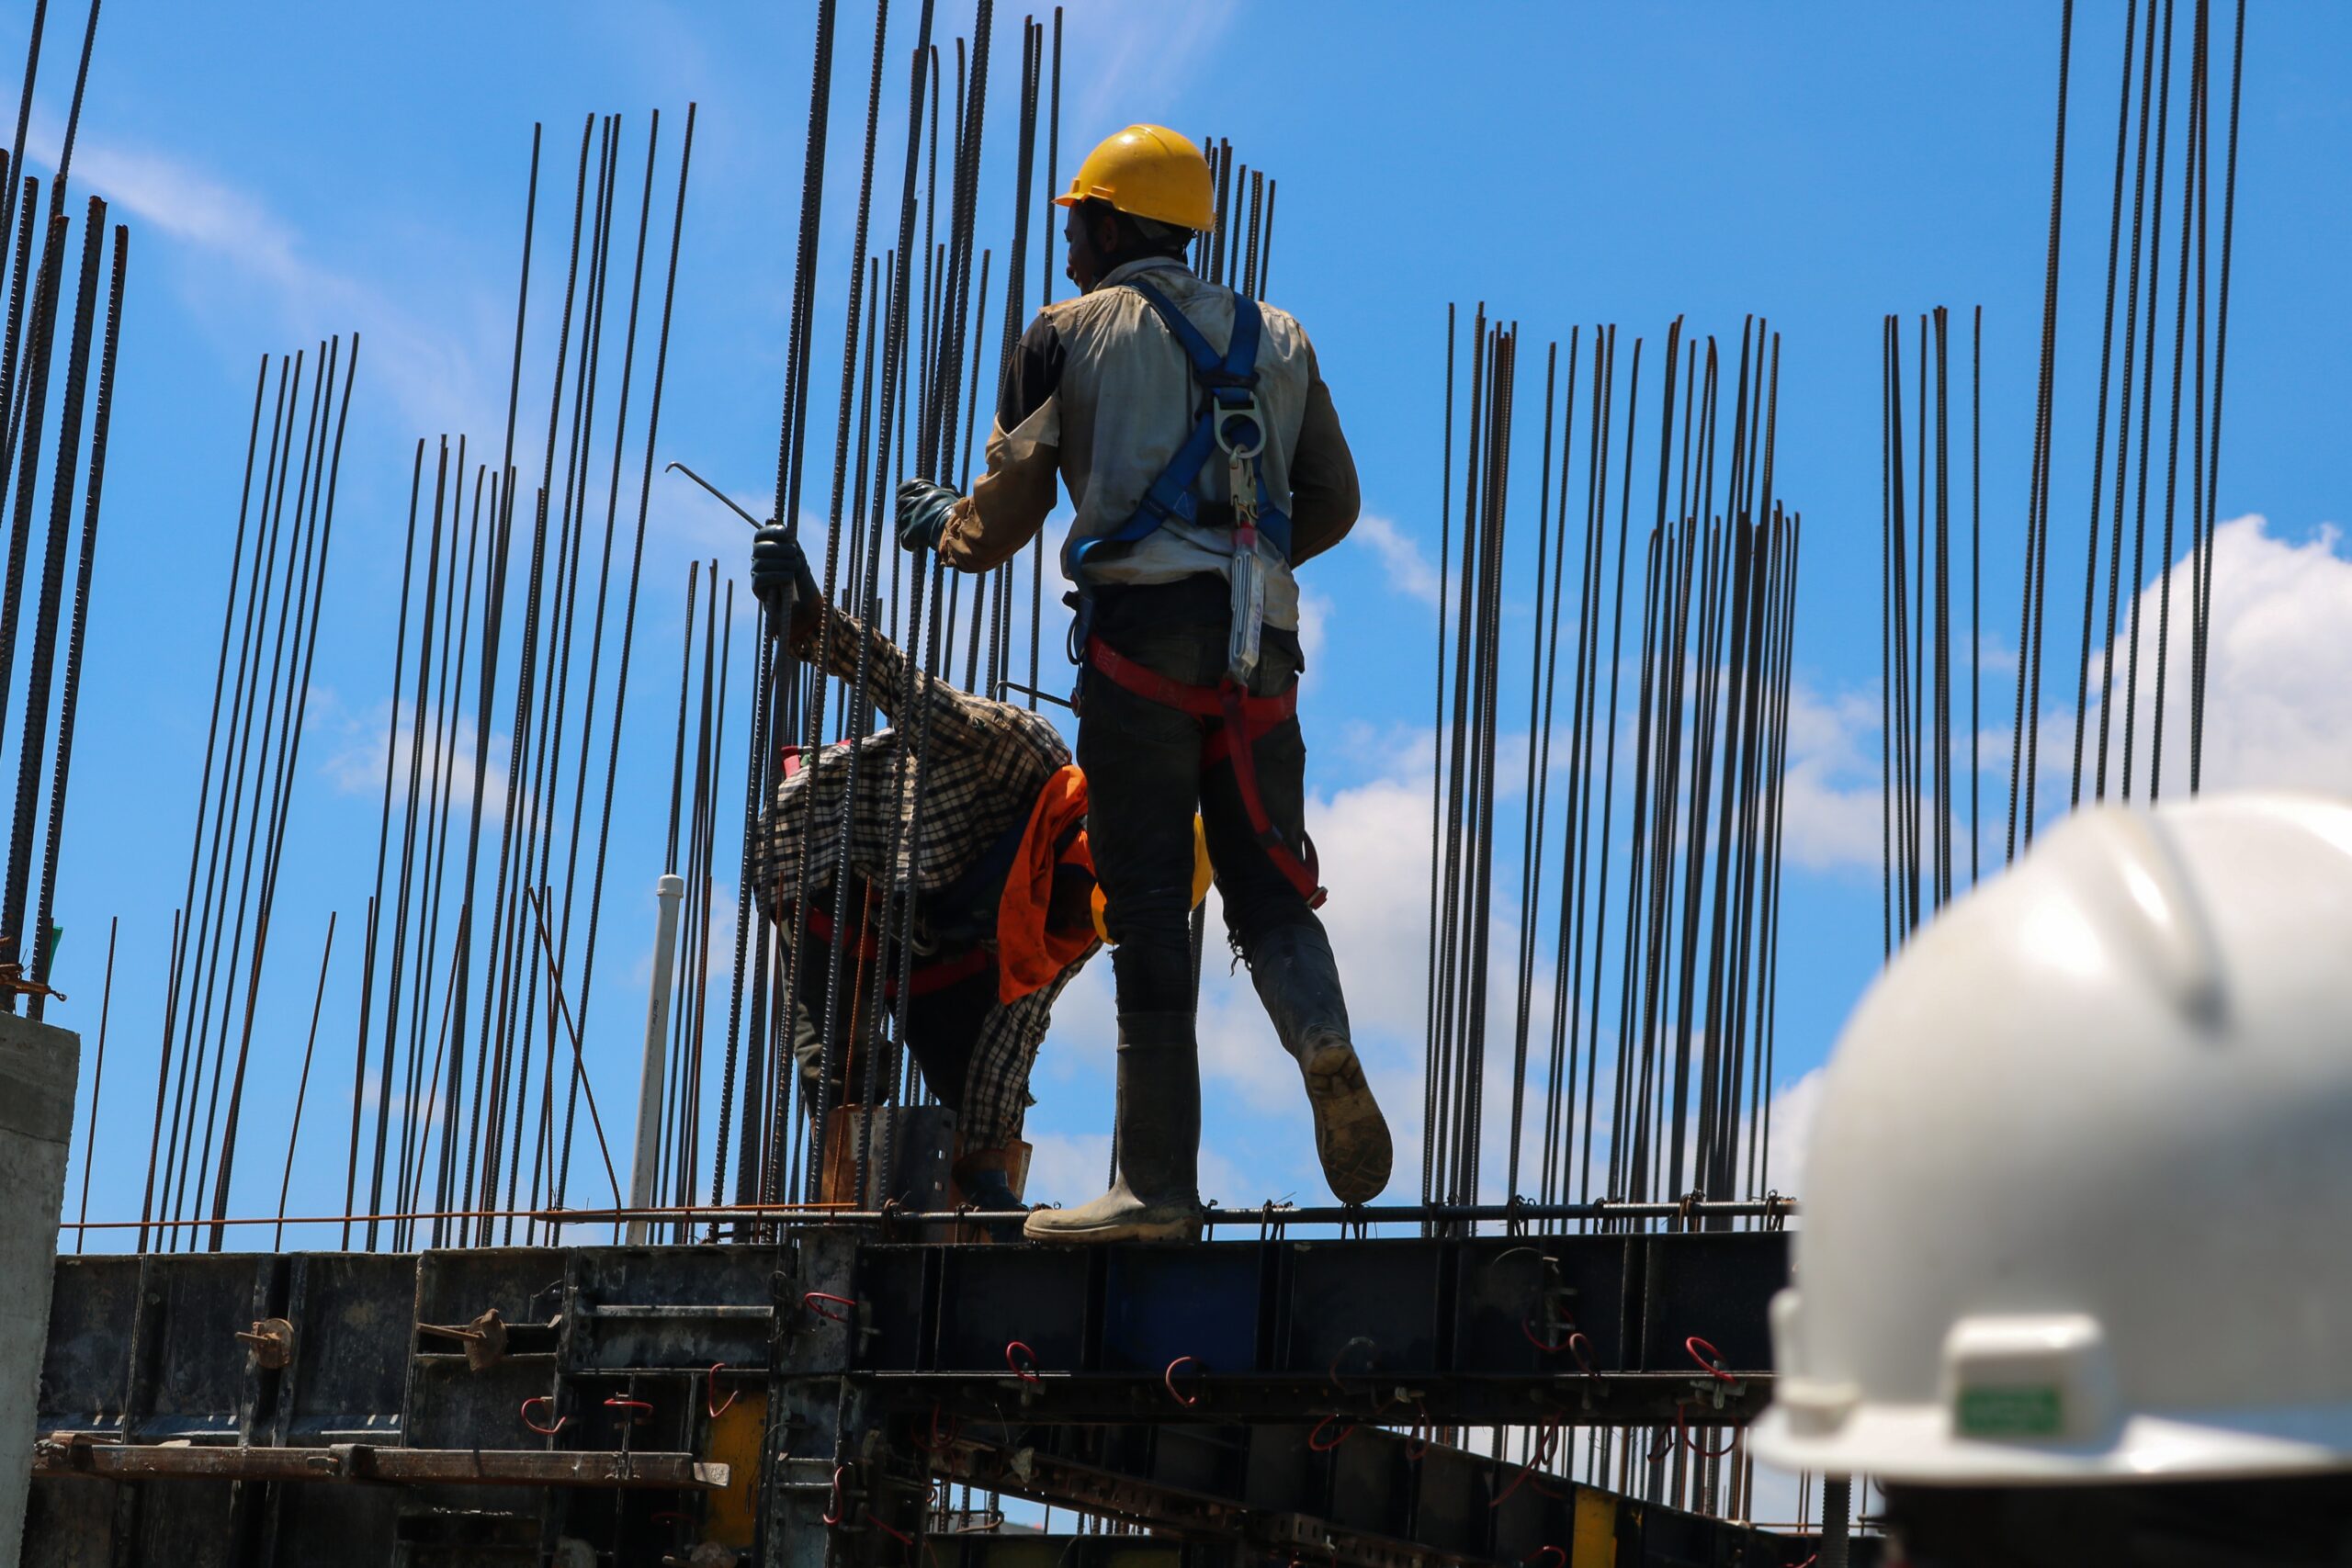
{"x": 1409, "y": 571}
{"x": 2279, "y": 691}
{"x": 2277, "y": 711}
{"x": 1069, "y": 1168}
{"x": 1066, "y": 1167}
{"x": 432, "y": 379}
{"x": 1794, "y": 1106}
{"x": 1314, "y": 616}
{"x": 355, "y": 760}
{"x": 1830, "y": 812}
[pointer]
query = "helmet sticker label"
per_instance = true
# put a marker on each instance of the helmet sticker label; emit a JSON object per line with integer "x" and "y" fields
{"x": 2032, "y": 1411}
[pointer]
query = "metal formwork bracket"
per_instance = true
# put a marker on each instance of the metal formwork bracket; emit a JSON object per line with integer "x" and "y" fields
{"x": 270, "y": 1342}
{"x": 484, "y": 1338}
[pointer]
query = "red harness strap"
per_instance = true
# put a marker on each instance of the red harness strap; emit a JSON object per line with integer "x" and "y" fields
{"x": 1224, "y": 710}
{"x": 927, "y": 978}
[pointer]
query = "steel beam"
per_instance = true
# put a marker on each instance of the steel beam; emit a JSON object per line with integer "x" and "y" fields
{"x": 68, "y": 1455}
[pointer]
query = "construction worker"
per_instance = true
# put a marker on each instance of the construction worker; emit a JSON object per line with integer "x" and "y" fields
{"x": 1004, "y": 887}
{"x": 1203, "y": 457}
{"x": 2072, "y": 1284}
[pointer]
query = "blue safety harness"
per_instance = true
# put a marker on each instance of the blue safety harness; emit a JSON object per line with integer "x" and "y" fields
{"x": 1233, "y": 720}
{"x": 1229, "y": 411}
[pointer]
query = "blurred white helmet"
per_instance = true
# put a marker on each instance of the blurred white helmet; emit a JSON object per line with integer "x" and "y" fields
{"x": 2079, "y": 1204}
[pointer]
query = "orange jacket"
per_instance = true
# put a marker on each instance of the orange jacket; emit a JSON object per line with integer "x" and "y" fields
{"x": 1030, "y": 955}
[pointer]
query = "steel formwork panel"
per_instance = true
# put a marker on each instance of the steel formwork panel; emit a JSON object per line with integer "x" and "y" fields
{"x": 859, "y": 1367}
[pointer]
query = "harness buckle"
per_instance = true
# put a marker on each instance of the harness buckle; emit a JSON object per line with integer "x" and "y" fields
{"x": 1240, "y": 430}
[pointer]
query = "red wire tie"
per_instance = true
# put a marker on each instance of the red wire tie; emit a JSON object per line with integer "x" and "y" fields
{"x": 1584, "y": 1362}
{"x": 638, "y": 1406}
{"x": 1169, "y": 1378}
{"x": 833, "y": 1515}
{"x": 670, "y": 1514}
{"x": 710, "y": 1391}
{"x": 1542, "y": 1552}
{"x": 1528, "y": 1332}
{"x": 938, "y": 1443}
{"x": 810, "y": 1298}
{"x": 1682, "y": 1434}
{"x": 1028, "y": 1374}
{"x": 1710, "y": 1359}
{"x": 1543, "y": 1451}
{"x": 902, "y": 1537}
{"x": 548, "y": 1400}
{"x": 1314, "y": 1438}
{"x": 1809, "y": 1562}
{"x": 1416, "y": 1445}
{"x": 1362, "y": 1340}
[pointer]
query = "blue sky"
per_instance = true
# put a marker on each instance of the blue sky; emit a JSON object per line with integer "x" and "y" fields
{"x": 302, "y": 171}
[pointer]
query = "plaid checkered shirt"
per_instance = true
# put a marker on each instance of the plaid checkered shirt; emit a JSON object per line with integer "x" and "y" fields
{"x": 982, "y": 764}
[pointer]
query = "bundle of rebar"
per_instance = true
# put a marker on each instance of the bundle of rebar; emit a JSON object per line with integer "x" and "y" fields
{"x": 1685, "y": 1112}
{"x": 2147, "y": 74}
{"x": 55, "y": 320}
{"x": 2112, "y": 746}
{"x": 276, "y": 593}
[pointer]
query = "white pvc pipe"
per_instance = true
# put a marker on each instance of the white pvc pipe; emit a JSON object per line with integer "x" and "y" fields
{"x": 671, "y": 893}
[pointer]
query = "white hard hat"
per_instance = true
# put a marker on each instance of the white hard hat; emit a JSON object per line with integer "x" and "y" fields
{"x": 2078, "y": 1204}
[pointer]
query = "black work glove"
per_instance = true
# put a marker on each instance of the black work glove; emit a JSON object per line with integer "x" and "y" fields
{"x": 782, "y": 581}
{"x": 923, "y": 512}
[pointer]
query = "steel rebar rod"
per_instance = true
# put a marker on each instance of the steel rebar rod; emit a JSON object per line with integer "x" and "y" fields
{"x": 97, "y": 1077}
{"x": 2024, "y": 753}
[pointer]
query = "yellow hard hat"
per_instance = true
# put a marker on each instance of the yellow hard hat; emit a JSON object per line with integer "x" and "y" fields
{"x": 1202, "y": 873}
{"x": 1151, "y": 172}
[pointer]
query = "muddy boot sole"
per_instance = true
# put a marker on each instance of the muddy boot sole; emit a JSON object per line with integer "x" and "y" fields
{"x": 1164, "y": 1222}
{"x": 1351, "y": 1135}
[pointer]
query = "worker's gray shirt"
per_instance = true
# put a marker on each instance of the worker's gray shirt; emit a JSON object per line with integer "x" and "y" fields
{"x": 1103, "y": 394}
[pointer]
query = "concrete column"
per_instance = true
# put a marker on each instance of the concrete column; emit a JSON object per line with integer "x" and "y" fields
{"x": 40, "y": 1065}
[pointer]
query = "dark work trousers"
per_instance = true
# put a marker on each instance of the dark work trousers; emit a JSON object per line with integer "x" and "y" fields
{"x": 1144, "y": 782}
{"x": 942, "y": 1025}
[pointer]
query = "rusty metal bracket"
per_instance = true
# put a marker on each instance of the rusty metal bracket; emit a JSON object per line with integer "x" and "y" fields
{"x": 485, "y": 1338}
{"x": 272, "y": 1342}
{"x": 13, "y": 981}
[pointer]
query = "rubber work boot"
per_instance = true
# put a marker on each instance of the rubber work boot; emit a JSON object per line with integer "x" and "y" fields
{"x": 1300, "y": 982}
{"x": 1157, "y": 1195}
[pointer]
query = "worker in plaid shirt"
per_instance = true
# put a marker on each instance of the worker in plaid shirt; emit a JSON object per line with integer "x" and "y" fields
{"x": 1002, "y": 877}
